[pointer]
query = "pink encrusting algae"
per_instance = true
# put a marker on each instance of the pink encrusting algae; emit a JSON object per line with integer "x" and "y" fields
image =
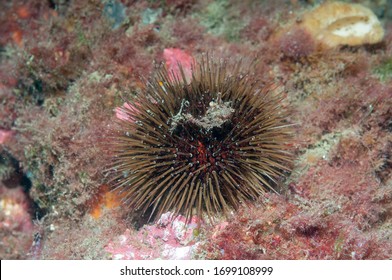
{"x": 168, "y": 238}
{"x": 176, "y": 58}
{"x": 69, "y": 69}
{"x": 5, "y": 135}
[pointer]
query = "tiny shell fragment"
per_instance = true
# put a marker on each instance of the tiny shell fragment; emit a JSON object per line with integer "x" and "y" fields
{"x": 337, "y": 23}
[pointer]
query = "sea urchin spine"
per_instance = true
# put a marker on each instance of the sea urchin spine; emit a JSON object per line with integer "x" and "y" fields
{"x": 203, "y": 145}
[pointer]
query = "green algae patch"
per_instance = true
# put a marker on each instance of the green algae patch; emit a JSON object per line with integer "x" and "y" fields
{"x": 220, "y": 20}
{"x": 384, "y": 70}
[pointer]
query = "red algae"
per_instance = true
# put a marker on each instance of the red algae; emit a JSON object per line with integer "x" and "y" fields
{"x": 296, "y": 43}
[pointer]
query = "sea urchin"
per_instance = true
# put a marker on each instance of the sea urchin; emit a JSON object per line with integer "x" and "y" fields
{"x": 200, "y": 144}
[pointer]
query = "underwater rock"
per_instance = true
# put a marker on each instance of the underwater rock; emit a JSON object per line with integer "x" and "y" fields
{"x": 16, "y": 226}
{"x": 150, "y": 16}
{"x": 337, "y": 23}
{"x": 115, "y": 13}
{"x": 14, "y": 208}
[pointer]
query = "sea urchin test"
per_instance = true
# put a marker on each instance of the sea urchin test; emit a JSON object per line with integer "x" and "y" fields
{"x": 198, "y": 145}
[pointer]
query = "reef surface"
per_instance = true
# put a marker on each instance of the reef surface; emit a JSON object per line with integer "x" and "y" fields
{"x": 67, "y": 66}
